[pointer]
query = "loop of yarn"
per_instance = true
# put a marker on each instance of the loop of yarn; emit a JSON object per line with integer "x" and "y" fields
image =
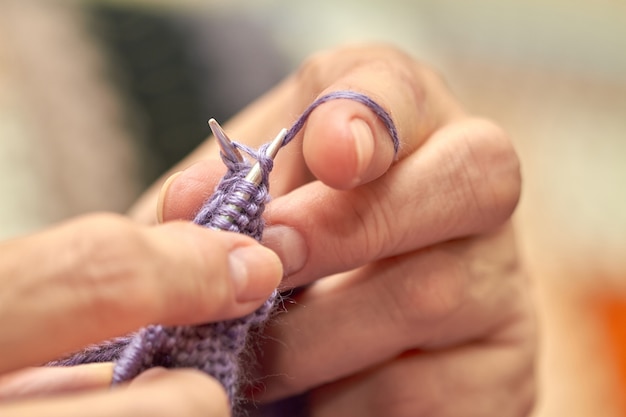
{"x": 215, "y": 348}
{"x": 378, "y": 110}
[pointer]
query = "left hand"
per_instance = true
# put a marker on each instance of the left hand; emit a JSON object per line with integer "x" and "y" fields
{"x": 416, "y": 303}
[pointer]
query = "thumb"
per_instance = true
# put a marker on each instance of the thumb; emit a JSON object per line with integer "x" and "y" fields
{"x": 102, "y": 276}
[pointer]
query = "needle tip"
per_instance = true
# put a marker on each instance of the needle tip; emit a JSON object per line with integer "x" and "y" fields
{"x": 226, "y": 145}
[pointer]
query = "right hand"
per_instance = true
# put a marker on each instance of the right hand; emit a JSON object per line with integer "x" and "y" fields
{"x": 102, "y": 276}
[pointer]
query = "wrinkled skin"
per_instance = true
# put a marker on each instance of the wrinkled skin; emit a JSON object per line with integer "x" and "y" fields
{"x": 100, "y": 276}
{"x": 416, "y": 303}
{"x": 413, "y": 299}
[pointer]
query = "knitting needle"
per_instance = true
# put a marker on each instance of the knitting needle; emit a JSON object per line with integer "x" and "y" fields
{"x": 232, "y": 154}
{"x": 255, "y": 174}
{"x": 226, "y": 145}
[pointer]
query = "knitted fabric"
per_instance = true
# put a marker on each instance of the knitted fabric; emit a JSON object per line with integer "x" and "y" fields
{"x": 215, "y": 348}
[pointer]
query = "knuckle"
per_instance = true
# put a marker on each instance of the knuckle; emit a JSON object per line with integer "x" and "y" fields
{"x": 492, "y": 171}
{"x": 370, "y": 229}
{"x": 380, "y": 229}
{"x": 113, "y": 258}
{"x": 435, "y": 296}
{"x": 313, "y": 71}
{"x": 327, "y": 66}
{"x": 399, "y": 393}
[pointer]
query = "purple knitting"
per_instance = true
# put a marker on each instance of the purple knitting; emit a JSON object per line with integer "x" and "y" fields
{"x": 214, "y": 348}
{"x": 237, "y": 205}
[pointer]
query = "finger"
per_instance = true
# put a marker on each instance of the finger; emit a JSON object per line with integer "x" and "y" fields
{"x": 102, "y": 276}
{"x": 37, "y": 382}
{"x": 464, "y": 181}
{"x": 157, "y": 393}
{"x": 480, "y": 379}
{"x": 186, "y": 191}
{"x": 345, "y": 143}
{"x": 444, "y": 296}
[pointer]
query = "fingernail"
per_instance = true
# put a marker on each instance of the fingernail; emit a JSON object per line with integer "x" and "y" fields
{"x": 289, "y": 245}
{"x": 255, "y": 271}
{"x": 364, "y": 144}
{"x": 163, "y": 193}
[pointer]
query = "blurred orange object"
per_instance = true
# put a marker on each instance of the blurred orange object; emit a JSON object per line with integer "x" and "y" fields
{"x": 611, "y": 311}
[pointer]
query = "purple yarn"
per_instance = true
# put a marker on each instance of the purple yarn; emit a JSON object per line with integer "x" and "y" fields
{"x": 348, "y": 95}
{"x": 215, "y": 348}
{"x": 107, "y": 351}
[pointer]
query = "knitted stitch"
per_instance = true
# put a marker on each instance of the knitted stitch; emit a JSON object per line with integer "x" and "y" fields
{"x": 215, "y": 348}
{"x": 237, "y": 206}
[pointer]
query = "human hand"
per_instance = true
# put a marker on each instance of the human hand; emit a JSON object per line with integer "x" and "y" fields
{"x": 102, "y": 276}
{"x": 415, "y": 301}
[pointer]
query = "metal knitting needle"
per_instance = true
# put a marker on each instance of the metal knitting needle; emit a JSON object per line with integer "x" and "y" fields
{"x": 231, "y": 153}
{"x": 226, "y": 145}
{"x": 255, "y": 174}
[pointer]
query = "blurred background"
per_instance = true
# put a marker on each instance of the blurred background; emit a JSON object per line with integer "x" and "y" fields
{"x": 97, "y": 98}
